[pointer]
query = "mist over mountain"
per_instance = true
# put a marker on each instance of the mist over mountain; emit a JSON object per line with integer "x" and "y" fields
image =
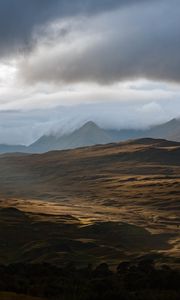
{"x": 87, "y": 135}
{"x": 169, "y": 130}
{"x": 91, "y": 134}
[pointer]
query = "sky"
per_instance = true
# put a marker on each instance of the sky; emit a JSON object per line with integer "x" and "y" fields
{"x": 65, "y": 62}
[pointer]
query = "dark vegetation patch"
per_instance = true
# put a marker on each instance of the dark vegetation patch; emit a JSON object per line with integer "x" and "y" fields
{"x": 131, "y": 280}
{"x": 32, "y": 238}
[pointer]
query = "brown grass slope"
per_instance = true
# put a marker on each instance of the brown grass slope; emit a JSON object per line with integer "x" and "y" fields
{"x": 74, "y": 171}
{"x": 135, "y": 182}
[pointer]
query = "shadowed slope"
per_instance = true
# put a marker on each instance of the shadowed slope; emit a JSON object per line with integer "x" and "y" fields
{"x": 135, "y": 182}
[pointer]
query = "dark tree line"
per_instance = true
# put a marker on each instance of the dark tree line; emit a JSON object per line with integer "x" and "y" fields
{"x": 131, "y": 281}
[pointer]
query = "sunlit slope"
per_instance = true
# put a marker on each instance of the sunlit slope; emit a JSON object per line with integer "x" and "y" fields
{"x": 135, "y": 184}
{"x": 97, "y": 171}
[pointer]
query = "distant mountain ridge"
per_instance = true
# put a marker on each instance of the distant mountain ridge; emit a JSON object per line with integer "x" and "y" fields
{"x": 87, "y": 135}
{"x": 91, "y": 134}
{"x": 169, "y": 130}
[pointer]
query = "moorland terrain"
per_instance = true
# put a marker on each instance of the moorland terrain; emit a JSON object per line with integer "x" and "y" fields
{"x": 88, "y": 205}
{"x": 91, "y": 223}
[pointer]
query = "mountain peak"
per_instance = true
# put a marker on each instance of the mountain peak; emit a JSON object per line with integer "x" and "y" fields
{"x": 173, "y": 121}
{"x": 89, "y": 125}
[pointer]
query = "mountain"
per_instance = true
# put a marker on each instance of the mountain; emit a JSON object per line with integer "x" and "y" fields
{"x": 169, "y": 131}
{"x": 12, "y": 148}
{"x": 87, "y": 135}
{"x": 90, "y": 134}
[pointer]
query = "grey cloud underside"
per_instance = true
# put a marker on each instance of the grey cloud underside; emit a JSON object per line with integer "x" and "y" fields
{"x": 19, "y": 19}
{"x": 138, "y": 42}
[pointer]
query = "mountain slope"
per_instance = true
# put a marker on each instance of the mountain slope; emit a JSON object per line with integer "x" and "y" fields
{"x": 12, "y": 148}
{"x": 91, "y": 134}
{"x": 169, "y": 131}
{"x": 67, "y": 170}
{"x": 87, "y": 135}
{"x": 134, "y": 182}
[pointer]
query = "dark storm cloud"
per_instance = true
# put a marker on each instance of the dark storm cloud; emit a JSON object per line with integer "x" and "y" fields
{"x": 20, "y": 18}
{"x": 141, "y": 41}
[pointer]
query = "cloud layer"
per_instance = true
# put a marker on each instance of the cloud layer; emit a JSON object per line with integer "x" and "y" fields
{"x": 137, "y": 41}
{"x": 64, "y": 62}
{"x": 20, "y": 19}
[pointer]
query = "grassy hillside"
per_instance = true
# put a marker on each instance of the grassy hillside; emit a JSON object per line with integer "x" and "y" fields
{"x": 78, "y": 198}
